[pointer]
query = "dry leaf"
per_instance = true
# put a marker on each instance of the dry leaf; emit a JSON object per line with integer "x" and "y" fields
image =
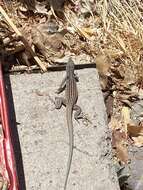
{"x": 118, "y": 137}
{"x": 125, "y": 117}
{"x": 135, "y": 131}
{"x": 41, "y": 8}
{"x": 103, "y": 82}
{"x": 88, "y": 31}
{"x": 83, "y": 32}
{"x": 102, "y": 64}
{"x": 122, "y": 153}
{"x": 119, "y": 142}
{"x": 50, "y": 46}
{"x": 138, "y": 141}
{"x": 126, "y": 103}
{"x": 126, "y": 114}
{"x": 114, "y": 124}
{"x": 109, "y": 106}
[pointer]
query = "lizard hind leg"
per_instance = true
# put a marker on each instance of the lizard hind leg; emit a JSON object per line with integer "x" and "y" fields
{"x": 78, "y": 113}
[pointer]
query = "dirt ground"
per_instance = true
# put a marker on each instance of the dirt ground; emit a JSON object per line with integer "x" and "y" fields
{"x": 42, "y": 132}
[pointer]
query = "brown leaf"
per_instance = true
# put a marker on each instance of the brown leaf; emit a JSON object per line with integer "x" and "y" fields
{"x": 50, "y": 46}
{"x": 135, "y": 131}
{"x": 122, "y": 153}
{"x": 119, "y": 142}
{"x": 103, "y": 64}
{"x": 103, "y": 82}
{"x": 109, "y": 106}
{"x": 119, "y": 137}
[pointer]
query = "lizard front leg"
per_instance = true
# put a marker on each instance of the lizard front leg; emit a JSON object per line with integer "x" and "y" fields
{"x": 62, "y": 86}
{"x": 59, "y": 101}
{"x": 76, "y": 77}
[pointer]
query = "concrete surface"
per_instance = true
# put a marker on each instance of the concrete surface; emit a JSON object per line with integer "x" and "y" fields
{"x": 43, "y": 134}
{"x": 135, "y": 181}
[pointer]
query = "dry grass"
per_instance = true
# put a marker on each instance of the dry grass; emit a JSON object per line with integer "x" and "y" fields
{"x": 123, "y": 30}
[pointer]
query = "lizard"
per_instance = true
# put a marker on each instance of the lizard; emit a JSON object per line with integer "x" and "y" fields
{"x": 71, "y": 95}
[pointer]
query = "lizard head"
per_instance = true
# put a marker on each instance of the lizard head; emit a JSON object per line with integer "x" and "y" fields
{"x": 70, "y": 66}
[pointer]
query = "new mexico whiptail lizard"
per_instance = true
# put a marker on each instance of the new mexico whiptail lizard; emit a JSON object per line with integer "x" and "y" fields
{"x": 71, "y": 96}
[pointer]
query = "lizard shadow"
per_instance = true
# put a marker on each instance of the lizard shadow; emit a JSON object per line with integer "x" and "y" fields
{"x": 14, "y": 132}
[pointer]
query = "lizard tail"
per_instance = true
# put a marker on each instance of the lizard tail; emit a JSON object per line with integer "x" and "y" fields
{"x": 71, "y": 143}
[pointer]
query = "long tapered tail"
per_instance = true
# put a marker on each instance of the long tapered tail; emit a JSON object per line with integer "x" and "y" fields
{"x": 71, "y": 142}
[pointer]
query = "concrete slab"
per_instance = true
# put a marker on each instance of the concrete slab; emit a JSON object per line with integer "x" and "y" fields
{"x": 44, "y": 139}
{"x": 135, "y": 180}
